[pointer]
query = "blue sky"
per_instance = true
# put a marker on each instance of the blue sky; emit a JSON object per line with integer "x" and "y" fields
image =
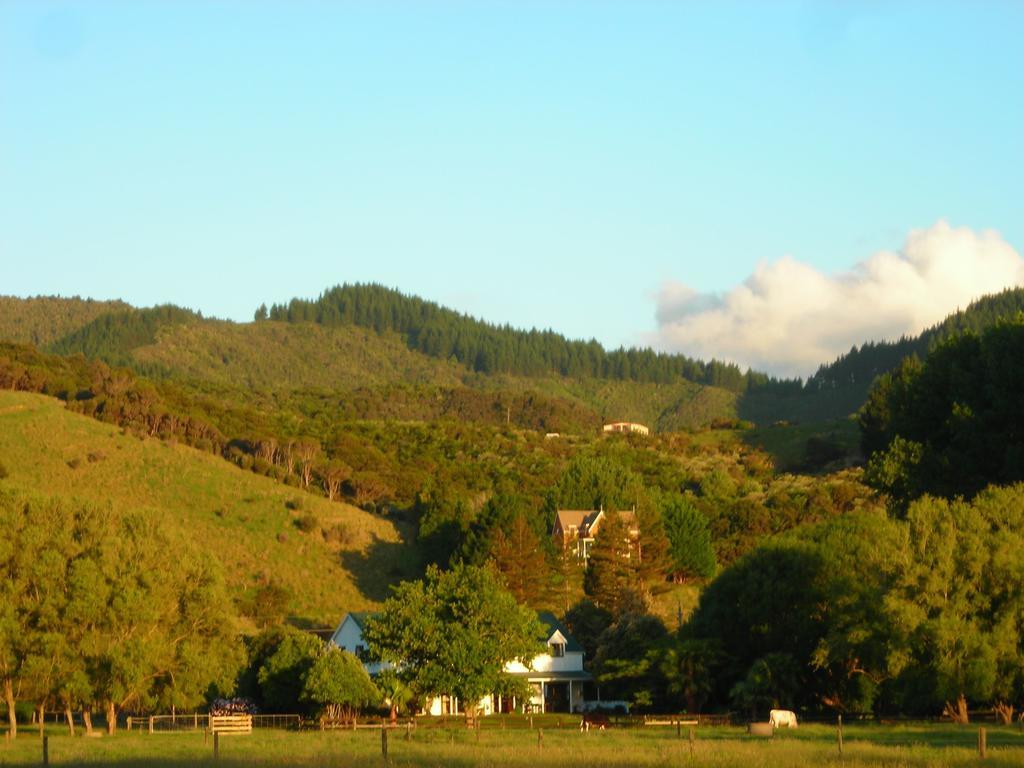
{"x": 549, "y": 164}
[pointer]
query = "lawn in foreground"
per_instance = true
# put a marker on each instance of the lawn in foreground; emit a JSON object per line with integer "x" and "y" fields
{"x": 867, "y": 745}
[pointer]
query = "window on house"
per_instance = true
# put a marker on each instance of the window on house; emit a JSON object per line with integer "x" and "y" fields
{"x": 360, "y": 651}
{"x": 557, "y": 649}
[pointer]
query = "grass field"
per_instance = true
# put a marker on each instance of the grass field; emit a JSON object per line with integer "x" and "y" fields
{"x": 811, "y": 745}
{"x": 246, "y": 521}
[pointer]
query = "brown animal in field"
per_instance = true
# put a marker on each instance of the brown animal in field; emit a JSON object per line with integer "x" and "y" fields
{"x": 597, "y": 719}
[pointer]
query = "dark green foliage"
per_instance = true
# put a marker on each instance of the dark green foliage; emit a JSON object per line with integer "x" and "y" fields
{"x": 692, "y": 553}
{"x": 444, "y": 333}
{"x": 953, "y": 424}
{"x": 867, "y": 612}
{"x": 282, "y": 674}
{"x": 112, "y": 337}
{"x": 626, "y": 663}
{"x": 587, "y": 622}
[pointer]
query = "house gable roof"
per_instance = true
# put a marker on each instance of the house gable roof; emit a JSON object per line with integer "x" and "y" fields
{"x": 555, "y": 626}
{"x": 583, "y": 520}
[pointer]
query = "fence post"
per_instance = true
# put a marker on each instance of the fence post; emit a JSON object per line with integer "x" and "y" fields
{"x": 384, "y": 741}
{"x": 693, "y": 738}
{"x": 216, "y": 745}
{"x": 531, "y": 722}
{"x": 46, "y": 750}
{"x": 982, "y": 745}
{"x": 679, "y": 729}
{"x": 150, "y": 723}
{"x": 540, "y": 738}
{"x": 195, "y": 721}
{"x": 129, "y": 722}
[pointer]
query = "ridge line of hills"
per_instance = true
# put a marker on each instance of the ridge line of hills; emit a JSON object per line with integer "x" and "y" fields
{"x": 362, "y": 337}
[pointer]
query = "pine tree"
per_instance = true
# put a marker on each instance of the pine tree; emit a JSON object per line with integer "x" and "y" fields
{"x": 609, "y": 576}
{"x": 519, "y": 559}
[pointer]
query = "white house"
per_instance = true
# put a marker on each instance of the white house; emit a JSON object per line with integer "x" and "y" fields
{"x": 555, "y": 678}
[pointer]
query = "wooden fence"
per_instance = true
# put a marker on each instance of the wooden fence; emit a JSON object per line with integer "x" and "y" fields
{"x": 231, "y": 724}
{"x": 197, "y": 722}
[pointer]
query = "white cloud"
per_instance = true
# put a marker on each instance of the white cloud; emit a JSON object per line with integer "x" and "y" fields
{"x": 787, "y": 318}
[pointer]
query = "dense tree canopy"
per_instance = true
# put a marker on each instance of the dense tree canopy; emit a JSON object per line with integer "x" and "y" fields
{"x": 101, "y": 608}
{"x": 952, "y": 424}
{"x": 868, "y": 612}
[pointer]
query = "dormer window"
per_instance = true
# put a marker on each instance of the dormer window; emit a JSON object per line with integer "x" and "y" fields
{"x": 557, "y": 649}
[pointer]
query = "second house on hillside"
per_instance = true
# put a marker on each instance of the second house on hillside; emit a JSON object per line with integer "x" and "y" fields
{"x": 575, "y": 529}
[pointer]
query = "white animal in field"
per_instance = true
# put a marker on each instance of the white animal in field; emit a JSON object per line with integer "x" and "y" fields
{"x": 780, "y": 718}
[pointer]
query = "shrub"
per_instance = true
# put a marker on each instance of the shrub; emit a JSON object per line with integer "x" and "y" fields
{"x": 3, "y": 471}
{"x": 74, "y": 463}
{"x": 295, "y": 503}
{"x": 339, "y": 533}
{"x": 307, "y": 523}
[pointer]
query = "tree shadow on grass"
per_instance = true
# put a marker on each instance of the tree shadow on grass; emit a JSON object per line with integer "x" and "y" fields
{"x": 381, "y": 565}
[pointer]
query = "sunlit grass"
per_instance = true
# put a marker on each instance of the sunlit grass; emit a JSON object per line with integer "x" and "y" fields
{"x": 865, "y": 745}
{"x": 243, "y": 519}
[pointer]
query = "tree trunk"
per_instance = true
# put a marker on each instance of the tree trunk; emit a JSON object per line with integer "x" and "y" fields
{"x": 87, "y": 720}
{"x": 957, "y": 713}
{"x": 1004, "y": 712}
{"x": 70, "y": 718}
{"x": 394, "y": 714}
{"x": 111, "y": 718}
{"x": 12, "y": 718}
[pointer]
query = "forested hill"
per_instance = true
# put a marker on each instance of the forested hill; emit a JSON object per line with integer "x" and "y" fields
{"x": 42, "y": 320}
{"x": 444, "y": 333}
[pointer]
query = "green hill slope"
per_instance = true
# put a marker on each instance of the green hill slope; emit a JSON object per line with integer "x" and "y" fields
{"x": 239, "y": 358}
{"x": 242, "y": 519}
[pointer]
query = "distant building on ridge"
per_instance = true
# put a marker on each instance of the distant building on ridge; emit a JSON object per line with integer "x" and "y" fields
{"x": 626, "y": 427}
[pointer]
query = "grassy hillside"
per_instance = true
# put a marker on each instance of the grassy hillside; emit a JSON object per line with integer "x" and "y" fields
{"x": 45, "y": 319}
{"x": 281, "y": 356}
{"x": 243, "y": 519}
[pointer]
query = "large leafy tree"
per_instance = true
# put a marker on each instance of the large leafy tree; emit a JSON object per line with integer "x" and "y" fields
{"x": 956, "y": 604}
{"x": 105, "y": 609}
{"x": 338, "y": 685}
{"x": 282, "y": 673}
{"x": 453, "y": 633}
